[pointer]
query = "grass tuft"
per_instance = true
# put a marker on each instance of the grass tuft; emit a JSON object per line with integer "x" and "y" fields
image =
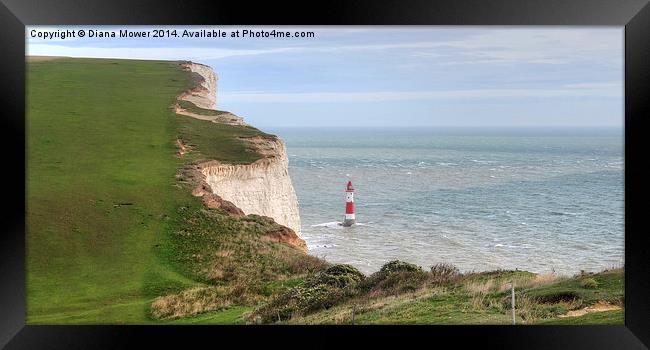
{"x": 589, "y": 283}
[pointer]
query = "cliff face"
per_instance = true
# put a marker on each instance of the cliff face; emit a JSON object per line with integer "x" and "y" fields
{"x": 204, "y": 95}
{"x": 263, "y": 187}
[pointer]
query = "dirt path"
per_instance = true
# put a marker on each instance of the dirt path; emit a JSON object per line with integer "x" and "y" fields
{"x": 598, "y": 307}
{"x": 224, "y": 118}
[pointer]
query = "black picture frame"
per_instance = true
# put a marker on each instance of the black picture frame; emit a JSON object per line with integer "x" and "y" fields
{"x": 633, "y": 14}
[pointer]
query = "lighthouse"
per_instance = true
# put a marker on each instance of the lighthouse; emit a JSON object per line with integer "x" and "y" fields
{"x": 349, "y": 205}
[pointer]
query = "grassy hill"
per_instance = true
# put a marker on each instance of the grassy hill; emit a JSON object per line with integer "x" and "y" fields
{"x": 100, "y": 172}
{"x": 104, "y": 205}
{"x": 115, "y": 236}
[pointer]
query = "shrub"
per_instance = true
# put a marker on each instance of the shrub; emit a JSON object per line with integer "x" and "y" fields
{"x": 340, "y": 276}
{"x": 300, "y": 300}
{"x": 397, "y": 265}
{"x": 444, "y": 273}
{"x": 402, "y": 282}
{"x": 589, "y": 283}
{"x": 320, "y": 291}
{"x": 557, "y": 296}
{"x": 394, "y": 277}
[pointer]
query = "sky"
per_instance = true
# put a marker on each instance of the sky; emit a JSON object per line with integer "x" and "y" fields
{"x": 392, "y": 76}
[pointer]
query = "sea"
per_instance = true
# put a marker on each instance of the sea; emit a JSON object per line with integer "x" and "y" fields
{"x": 536, "y": 199}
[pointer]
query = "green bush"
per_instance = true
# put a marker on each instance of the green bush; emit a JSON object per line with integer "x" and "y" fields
{"x": 394, "y": 277}
{"x": 320, "y": 291}
{"x": 341, "y": 276}
{"x": 300, "y": 300}
{"x": 397, "y": 265}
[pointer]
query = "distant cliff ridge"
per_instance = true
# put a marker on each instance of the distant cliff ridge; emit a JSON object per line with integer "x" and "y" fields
{"x": 263, "y": 187}
{"x": 204, "y": 94}
{"x": 201, "y": 101}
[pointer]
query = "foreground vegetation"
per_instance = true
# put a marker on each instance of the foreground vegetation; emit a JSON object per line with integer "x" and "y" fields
{"x": 402, "y": 293}
{"x": 115, "y": 236}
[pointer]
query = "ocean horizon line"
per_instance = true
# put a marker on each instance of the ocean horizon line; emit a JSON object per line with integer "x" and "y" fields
{"x": 461, "y": 130}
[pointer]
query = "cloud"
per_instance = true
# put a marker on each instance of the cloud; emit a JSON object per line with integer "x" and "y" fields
{"x": 598, "y": 85}
{"x": 537, "y": 46}
{"x": 145, "y": 53}
{"x": 606, "y": 90}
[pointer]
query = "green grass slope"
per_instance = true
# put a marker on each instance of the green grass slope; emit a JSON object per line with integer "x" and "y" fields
{"x": 100, "y": 171}
{"x": 102, "y": 198}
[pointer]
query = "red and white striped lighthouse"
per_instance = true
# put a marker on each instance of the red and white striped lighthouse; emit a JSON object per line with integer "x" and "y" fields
{"x": 349, "y": 205}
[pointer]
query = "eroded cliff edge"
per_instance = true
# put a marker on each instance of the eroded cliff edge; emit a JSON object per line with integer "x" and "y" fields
{"x": 204, "y": 94}
{"x": 263, "y": 187}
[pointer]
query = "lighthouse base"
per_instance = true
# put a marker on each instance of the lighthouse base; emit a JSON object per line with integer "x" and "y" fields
{"x": 348, "y": 222}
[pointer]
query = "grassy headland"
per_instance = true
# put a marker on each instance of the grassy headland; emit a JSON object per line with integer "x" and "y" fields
{"x": 109, "y": 226}
{"x": 115, "y": 236}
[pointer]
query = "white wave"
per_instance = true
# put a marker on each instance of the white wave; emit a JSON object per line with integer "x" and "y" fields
{"x": 563, "y": 213}
{"x": 499, "y": 245}
{"x": 338, "y": 224}
{"x": 332, "y": 224}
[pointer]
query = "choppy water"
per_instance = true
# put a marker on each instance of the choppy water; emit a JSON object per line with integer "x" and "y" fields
{"x": 480, "y": 199}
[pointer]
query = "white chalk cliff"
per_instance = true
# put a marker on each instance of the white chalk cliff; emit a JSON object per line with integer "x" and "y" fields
{"x": 263, "y": 187}
{"x": 205, "y": 94}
